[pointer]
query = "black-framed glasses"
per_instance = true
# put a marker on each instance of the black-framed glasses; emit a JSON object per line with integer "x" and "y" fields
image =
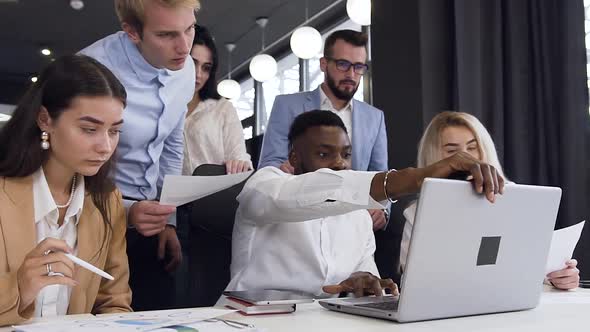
{"x": 344, "y": 66}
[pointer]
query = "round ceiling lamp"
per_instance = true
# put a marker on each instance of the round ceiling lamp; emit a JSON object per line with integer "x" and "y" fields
{"x": 263, "y": 67}
{"x": 229, "y": 88}
{"x": 306, "y": 42}
{"x": 77, "y": 4}
{"x": 359, "y": 11}
{"x": 4, "y": 117}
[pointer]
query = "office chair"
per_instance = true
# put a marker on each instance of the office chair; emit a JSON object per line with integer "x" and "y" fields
{"x": 211, "y": 221}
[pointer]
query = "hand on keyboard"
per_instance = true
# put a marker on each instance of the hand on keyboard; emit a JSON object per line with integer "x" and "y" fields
{"x": 362, "y": 283}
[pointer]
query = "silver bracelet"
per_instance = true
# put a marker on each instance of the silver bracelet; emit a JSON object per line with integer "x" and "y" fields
{"x": 392, "y": 201}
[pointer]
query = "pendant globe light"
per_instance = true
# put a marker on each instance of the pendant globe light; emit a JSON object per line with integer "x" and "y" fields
{"x": 263, "y": 67}
{"x": 229, "y": 88}
{"x": 359, "y": 11}
{"x": 306, "y": 41}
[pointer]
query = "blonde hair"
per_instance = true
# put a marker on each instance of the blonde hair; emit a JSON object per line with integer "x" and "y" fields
{"x": 132, "y": 11}
{"x": 430, "y": 152}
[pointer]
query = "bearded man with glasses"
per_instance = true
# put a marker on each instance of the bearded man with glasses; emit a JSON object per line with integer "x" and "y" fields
{"x": 344, "y": 64}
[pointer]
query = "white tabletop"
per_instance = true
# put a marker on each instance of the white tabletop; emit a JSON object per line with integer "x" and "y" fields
{"x": 559, "y": 311}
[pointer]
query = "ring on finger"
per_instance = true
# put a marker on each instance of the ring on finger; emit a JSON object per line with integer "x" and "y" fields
{"x": 49, "y": 270}
{"x": 46, "y": 252}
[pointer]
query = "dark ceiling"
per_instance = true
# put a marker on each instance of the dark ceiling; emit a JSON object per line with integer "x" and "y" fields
{"x": 28, "y": 25}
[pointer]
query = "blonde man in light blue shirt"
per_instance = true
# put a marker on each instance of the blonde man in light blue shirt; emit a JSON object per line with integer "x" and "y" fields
{"x": 151, "y": 58}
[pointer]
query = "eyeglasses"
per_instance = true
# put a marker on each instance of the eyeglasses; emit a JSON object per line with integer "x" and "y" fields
{"x": 344, "y": 66}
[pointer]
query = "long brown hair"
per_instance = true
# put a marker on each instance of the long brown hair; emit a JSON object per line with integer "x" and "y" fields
{"x": 63, "y": 80}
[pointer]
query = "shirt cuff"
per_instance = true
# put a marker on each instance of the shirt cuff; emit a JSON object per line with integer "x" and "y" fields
{"x": 127, "y": 204}
{"x": 357, "y": 189}
{"x": 172, "y": 220}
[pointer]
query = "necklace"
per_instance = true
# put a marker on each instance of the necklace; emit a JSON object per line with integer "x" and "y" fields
{"x": 72, "y": 191}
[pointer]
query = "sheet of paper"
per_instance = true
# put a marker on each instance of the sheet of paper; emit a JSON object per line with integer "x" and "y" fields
{"x": 133, "y": 321}
{"x": 208, "y": 326}
{"x": 178, "y": 189}
{"x": 562, "y": 246}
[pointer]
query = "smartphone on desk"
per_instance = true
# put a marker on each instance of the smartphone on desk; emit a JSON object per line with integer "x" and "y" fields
{"x": 270, "y": 296}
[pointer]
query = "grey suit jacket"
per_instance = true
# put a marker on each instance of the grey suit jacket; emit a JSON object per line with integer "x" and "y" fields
{"x": 369, "y": 142}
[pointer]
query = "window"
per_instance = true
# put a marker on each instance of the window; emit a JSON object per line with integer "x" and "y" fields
{"x": 245, "y": 104}
{"x": 286, "y": 81}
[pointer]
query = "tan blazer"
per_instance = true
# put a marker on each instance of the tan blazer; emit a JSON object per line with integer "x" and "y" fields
{"x": 18, "y": 237}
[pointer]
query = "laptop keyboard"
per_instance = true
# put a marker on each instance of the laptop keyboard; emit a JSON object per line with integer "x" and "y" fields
{"x": 388, "y": 305}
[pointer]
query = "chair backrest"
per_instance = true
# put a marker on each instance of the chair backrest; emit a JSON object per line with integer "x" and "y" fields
{"x": 211, "y": 221}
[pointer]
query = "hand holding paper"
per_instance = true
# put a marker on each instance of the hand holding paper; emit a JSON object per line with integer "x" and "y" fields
{"x": 562, "y": 247}
{"x": 178, "y": 189}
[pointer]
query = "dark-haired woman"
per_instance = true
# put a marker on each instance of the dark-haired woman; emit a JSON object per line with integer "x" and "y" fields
{"x": 213, "y": 132}
{"x": 56, "y": 196}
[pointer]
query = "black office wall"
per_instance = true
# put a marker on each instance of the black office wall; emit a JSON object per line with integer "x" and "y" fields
{"x": 518, "y": 65}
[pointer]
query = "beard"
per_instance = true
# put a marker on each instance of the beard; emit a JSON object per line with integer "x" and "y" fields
{"x": 340, "y": 94}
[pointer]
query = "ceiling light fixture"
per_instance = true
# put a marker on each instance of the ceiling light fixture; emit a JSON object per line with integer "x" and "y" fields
{"x": 359, "y": 11}
{"x": 45, "y": 51}
{"x": 4, "y": 117}
{"x": 263, "y": 67}
{"x": 34, "y": 79}
{"x": 229, "y": 88}
{"x": 77, "y": 4}
{"x": 306, "y": 41}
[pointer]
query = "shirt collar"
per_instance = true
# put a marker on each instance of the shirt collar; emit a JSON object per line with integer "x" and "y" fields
{"x": 325, "y": 102}
{"x": 145, "y": 71}
{"x": 43, "y": 200}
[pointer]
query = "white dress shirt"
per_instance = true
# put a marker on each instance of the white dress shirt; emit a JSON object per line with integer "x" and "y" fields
{"x": 345, "y": 113}
{"x": 213, "y": 134}
{"x": 302, "y": 232}
{"x": 54, "y": 299}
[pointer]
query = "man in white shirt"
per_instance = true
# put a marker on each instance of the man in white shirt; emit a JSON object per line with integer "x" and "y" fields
{"x": 312, "y": 229}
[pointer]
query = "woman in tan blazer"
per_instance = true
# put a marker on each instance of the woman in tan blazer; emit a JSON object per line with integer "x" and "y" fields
{"x": 56, "y": 196}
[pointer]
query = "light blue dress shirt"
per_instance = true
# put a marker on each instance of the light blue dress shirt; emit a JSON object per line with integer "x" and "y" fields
{"x": 151, "y": 141}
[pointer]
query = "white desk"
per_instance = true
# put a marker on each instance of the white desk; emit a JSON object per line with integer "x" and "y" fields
{"x": 558, "y": 312}
{"x": 552, "y": 315}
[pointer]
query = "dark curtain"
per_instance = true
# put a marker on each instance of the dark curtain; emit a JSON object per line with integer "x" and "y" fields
{"x": 518, "y": 65}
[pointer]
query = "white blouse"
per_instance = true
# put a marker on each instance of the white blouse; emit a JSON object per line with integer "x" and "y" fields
{"x": 213, "y": 134}
{"x": 54, "y": 300}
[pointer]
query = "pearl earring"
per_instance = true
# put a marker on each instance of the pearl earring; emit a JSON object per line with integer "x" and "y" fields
{"x": 44, "y": 140}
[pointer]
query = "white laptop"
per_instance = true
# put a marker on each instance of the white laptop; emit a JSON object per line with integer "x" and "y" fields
{"x": 468, "y": 256}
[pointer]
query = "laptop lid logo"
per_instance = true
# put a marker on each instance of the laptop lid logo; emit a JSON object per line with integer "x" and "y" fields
{"x": 488, "y": 250}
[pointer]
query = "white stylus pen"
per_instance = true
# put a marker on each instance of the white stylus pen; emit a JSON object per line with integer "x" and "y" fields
{"x": 89, "y": 267}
